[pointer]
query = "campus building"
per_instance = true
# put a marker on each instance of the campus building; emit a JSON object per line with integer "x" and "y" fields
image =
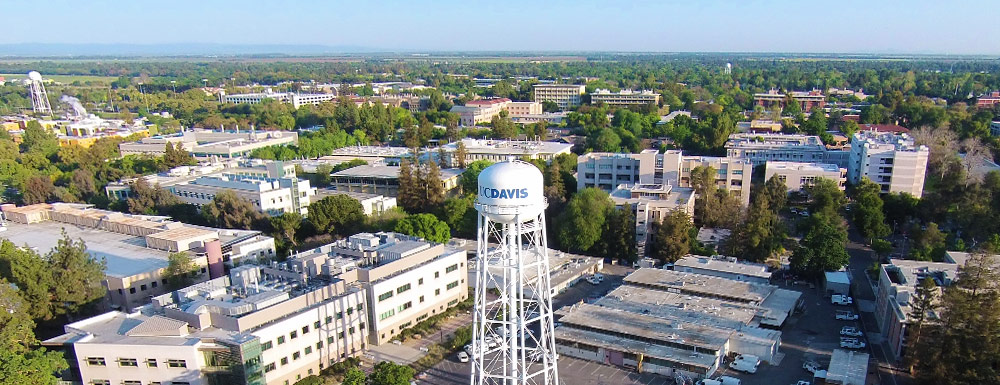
{"x": 988, "y": 100}
{"x": 295, "y": 99}
{"x": 760, "y": 148}
{"x": 806, "y": 100}
{"x": 135, "y": 247}
{"x": 210, "y": 143}
{"x": 483, "y": 110}
{"x": 798, "y": 175}
{"x": 565, "y": 96}
{"x": 676, "y": 324}
{"x": 382, "y": 180}
{"x": 894, "y": 161}
{"x": 651, "y": 203}
{"x": 498, "y": 150}
{"x": 624, "y": 98}
{"x": 723, "y": 267}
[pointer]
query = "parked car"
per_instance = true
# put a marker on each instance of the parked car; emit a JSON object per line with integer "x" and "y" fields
{"x": 802, "y": 382}
{"x": 708, "y": 381}
{"x": 846, "y": 315}
{"x": 850, "y": 331}
{"x": 726, "y": 380}
{"x": 745, "y": 363}
{"x": 851, "y": 343}
{"x": 811, "y": 366}
{"x": 593, "y": 280}
{"x": 463, "y": 357}
{"x": 838, "y": 299}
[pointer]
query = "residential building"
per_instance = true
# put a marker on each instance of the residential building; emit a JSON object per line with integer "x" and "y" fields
{"x": 624, "y": 98}
{"x": 988, "y": 100}
{"x": 565, "y": 96}
{"x": 669, "y": 323}
{"x": 723, "y": 267}
{"x": 295, "y": 99}
{"x": 798, "y": 175}
{"x": 135, "y": 247}
{"x": 382, "y": 180}
{"x": 651, "y": 203}
{"x": 806, "y": 100}
{"x": 211, "y": 143}
{"x": 897, "y": 286}
{"x": 258, "y": 325}
{"x": 497, "y": 150}
{"x": 606, "y": 170}
{"x": 271, "y": 186}
{"x": 406, "y": 278}
{"x": 893, "y": 161}
{"x": 760, "y": 148}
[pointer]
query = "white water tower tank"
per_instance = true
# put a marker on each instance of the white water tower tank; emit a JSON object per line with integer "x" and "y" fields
{"x": 508, "y": 189}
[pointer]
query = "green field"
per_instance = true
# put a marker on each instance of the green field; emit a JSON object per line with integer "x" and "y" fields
{"x": 64, "y": 78}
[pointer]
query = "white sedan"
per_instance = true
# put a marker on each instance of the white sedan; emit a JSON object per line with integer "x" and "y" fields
{"x": 850, "y": 331}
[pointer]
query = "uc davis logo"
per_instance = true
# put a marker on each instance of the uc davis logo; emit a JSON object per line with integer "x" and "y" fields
{"x": 510, "y": 193}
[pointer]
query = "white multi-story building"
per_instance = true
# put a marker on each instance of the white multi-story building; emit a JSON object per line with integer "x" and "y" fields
{"x": 297, "y": 100}
{"x": 136, "y": 247}
{"x": 624, "y": 97}
{"x": 797, "y": 175}
{"x": 651, "y": 203}
{"x": 606, "y": 170}
{"x": 483, "y": 110}
{"x": 210, "y": 143}
{"x": 565, "y": 96}
{"x": 893, "y": 161}
{"x": 498, "y": 150}
{"x": 267, "y": 195}
{"x": 761, "y": 148}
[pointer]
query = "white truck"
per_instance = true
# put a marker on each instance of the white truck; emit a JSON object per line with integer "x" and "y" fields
{"x": 746, "y": 363}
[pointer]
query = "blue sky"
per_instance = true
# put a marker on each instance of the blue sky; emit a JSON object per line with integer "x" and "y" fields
{"x": 873, "y": 26}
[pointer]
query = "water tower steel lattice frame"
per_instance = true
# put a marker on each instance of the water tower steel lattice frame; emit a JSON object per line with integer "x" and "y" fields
{"x": 39, "y": 99}
{"x": 513, "y": 340}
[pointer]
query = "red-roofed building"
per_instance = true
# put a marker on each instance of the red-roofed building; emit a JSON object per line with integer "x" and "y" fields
{"x": 989, "y": 100}
{"x": 894, "y": 128}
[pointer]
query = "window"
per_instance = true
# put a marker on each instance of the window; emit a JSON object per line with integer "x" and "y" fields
{"x": 453, "y": 302}
{"x": 270, "y": 367}
{"x": 437, "y": 274}
{"x": 316, "y": 325}
{"x": 284, "y": 361}
{"x": 96, "y": 361}
{"x": 451, "y": 268}
{"x": 350, "y": 310}
{"x": 401, "y": 289}
{"x": 420, "y": 281}
{"x": 340, "y": 335}
{"x": 405, "y": 325}
{"x": 100, "y": 382}
{"x": 308, "y": 350}
{"x": 143, "y": 287}
{"x": 151, "y": 363}
{"x": 128, "y": 362}
{"x": 305, "y": 330}
{"x": 361, "y": 325}
{"x": 266, "y": 346}
{"x": 154, "y": 284}
{"x": 361, "y": 307}
{"x": 319, "y": 345}
{"x": 177, "y": 363}
{"x": 296, "y": 355}
{"x": 131, "y": 290}
{"x": 329, "y": 339}
{"x": 281, "y": 340}
{"x": 421, "y": 299}
{"x": 350, "y": 330}
{"x": 385, "y": 296}
{"x": 405, "y": 306}
{"x": 437, "y": 291}
{"x": 329, "y": 319}
{"x": 293, "y": 335}
{"x": 340, "y": 314}
{"x": 387, "y": 314}
{"x": 452, "y": 285}
{"x": 131, "y": 382}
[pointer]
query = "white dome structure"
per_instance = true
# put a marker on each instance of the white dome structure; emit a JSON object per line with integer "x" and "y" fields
{"x": 511, "y": 189}
{"x": 35, "y": 76}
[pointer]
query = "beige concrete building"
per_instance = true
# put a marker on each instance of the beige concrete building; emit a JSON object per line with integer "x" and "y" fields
{"x": 797, "y": 175}
{"x": 624, "y": 98}
{"x": 497, "y": 150}
{"x": 894, "y": 161}
{"x": 566, "y": 96}
{"x": 483, "y": 110}
{"x": 210, "y": 143}
{"x": 651, "y": 203}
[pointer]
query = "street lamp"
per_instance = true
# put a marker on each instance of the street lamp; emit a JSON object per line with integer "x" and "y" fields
{"x": 173, "y": 83}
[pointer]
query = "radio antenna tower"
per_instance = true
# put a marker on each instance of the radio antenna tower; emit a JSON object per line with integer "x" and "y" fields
{"x": 39, "y": 99}
{"x": 513, "y": 342}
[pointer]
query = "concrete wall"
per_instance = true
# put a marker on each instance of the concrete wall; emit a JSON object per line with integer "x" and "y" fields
{"x": 143, "y": 372}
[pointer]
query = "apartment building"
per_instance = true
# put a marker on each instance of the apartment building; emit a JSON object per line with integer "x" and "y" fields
{"x": 407, "y": 279}
{"x": 606, "y": 170}
{"x": 624, "y": 98}
{"x": 136, "y": 247}
{"x": 894, "y": 161}
{"x": 897, "y": 284}
{"x": 566, "y": 96}
{"x": 806, "y": 99}
{"x": 497, "y": 150}
{"x": 798, "y": 175}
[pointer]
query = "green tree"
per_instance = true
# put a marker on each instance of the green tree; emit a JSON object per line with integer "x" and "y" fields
{"x": 286, "y": 226}
{"x": 37, "y": 189}
{"x": 582, "y": 222}
{"x": 26, "y": 269}
{"x": 867, "y": 210}
{"x": 776, "y": 193}
{"x": 881, "y": 247}
{"x": 176, "y": 155}
{"x": 470, "y": 178}
{"x": 433, "y": 186}
{"x": 180, "y": 270}
{"x": 555, "y": 185}
{"x": 409, "y": 193}
{"x": 923, "y": 304}
{"x": 619, "y": 235}
{"x": 425, "y": 226}
{"x": 77, "y": 276}
{"x": 337, "y": 214}
{"x": 761, "y": 235}
{"x": 672, "y": 239}
{"x": 354, "y": 376}
{"x": 460, "y": 216}
{"x": 230, "y": 211}
{"x": 826, "y": 197}
{"x": 150, "y": 200}
{"x": 37, "y": 139}
{"x": 390, "y": 373}
{"x": 503, "y": 128}
{"x": 928, "y": 242}
{"x": 550, "y": 106}
{"x": 22, "y": 361}
{"x": 824, "y": 246}
{"x": 460, "y": 153}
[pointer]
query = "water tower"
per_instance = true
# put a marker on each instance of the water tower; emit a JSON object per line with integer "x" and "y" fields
{"x": 39, "y": 99}
{"x": 512, "y": 333}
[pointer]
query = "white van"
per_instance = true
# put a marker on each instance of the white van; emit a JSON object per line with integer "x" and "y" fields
{"x": 708, "y": 382}
{"x": 726, "y": 380}
{"x": 745, "y": 363}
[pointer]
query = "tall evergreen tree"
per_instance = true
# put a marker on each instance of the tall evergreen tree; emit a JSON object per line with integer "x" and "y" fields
{"x": 77, "y": 276}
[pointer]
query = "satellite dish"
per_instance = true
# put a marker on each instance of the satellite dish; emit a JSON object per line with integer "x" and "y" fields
{"x": 34, "y": 75}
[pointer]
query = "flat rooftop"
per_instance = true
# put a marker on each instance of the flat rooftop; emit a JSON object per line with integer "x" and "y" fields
{"x": 723, "y": 266}
{"x": 127, "y": 255}
{"x": 684, "y": 356}
{"x": 698, "y": 284}
{"x": 513, "y": 147}
{"x": 847, "y": 367}
{"x": 802, "y": 166}
{"x": 646, "y": 326}
{"x": 681, "y": 307}
{"x": 388, "y": 172}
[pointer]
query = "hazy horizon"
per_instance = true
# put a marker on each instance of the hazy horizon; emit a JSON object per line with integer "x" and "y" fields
{"x": 774, "y": 26}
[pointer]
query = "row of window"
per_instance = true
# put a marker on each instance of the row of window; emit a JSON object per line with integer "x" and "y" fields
{"x": 406, "y": 287}
{"x": 267, "y": 345}
{"x": 132, "y": 362}
{"x": 137, "y": 382}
